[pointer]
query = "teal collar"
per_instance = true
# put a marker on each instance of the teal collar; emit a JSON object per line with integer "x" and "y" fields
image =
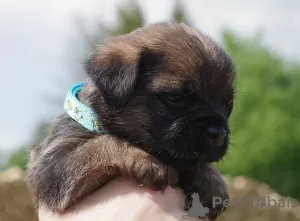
{"x": 80, "y": 112}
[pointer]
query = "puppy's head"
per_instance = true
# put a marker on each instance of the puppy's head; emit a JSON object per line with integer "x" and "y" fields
{"x": 167, "y": 88}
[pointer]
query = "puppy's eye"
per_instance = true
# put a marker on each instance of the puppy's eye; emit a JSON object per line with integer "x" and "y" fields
{"x": 175, "y": 98}
{"x": 228, "y": 106}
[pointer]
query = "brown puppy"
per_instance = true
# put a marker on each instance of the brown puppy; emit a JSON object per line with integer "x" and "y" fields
{"x": 164, "y": 94}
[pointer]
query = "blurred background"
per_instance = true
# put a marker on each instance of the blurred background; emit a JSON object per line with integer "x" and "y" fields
{"x": 44, "y": 44}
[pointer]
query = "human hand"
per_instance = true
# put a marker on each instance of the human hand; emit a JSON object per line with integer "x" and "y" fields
{"x": 126, "y": 201}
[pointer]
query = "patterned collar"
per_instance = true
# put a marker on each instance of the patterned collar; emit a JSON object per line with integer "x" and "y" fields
{"x": 80, "y": 112}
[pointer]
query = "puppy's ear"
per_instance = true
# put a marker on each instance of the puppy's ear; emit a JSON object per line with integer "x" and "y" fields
{"x": 117, "y": 71}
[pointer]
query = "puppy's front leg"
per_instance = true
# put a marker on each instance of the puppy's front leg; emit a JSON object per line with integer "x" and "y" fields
{"x": 209, "y": 184}
{"x": 62, "y": 171}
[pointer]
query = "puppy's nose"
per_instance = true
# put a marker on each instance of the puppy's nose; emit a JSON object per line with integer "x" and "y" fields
{"x": 215, "y": 135}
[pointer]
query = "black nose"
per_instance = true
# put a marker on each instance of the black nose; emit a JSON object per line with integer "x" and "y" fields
{"x": 215, "y": 135}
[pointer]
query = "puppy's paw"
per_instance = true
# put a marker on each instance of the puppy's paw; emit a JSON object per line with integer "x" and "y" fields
{"x": 151, "y": 172}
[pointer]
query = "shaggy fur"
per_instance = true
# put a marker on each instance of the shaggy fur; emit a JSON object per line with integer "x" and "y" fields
{"x": 157, "y": 91}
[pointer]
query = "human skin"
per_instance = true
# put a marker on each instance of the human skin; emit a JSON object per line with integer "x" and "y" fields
{"x": 127, "y": 201}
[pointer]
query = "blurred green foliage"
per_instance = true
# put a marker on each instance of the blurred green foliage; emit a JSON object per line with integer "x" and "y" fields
{"x": 264, "y": 143}
{"x": 18, "y": 159}
{"x": 265, "y": 132}
{"x": 179, "y": 13}
{"x": 129, "y": 17}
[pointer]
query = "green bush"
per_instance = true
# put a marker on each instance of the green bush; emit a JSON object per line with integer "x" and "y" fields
{"x": 265, "y": 121}
{"x": 18, "y": 159}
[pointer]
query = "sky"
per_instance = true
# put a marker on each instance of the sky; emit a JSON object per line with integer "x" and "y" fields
{"x": 37, "y": 37}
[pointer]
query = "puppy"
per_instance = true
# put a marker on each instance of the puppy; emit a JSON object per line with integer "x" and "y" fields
{"x": 163, "y": 94}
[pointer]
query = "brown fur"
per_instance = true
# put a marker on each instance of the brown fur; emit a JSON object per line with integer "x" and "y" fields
{"x": 129, "y": 81}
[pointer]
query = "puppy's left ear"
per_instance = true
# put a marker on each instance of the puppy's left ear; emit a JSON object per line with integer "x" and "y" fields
{"x": 117, "y": 70}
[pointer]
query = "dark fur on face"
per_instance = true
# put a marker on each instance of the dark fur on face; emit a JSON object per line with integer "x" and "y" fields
{"x": 158, "y": 92}
{"x": 172, "y": 83}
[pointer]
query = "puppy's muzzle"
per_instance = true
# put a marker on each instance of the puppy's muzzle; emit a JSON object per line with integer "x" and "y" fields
{"x": 215, "y": 135}
{"x": 210, "y": 129}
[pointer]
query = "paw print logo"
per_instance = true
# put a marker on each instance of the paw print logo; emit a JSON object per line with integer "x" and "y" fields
{"x": 261, "y": 202}
{"x": 197, "y": 209}
{"x": 69, "y": 105}
{"x": 78, "y": 113}
{"x": 96, "y": 124}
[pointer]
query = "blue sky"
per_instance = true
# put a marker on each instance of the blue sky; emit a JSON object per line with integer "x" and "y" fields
{"x": 35, "y": 38}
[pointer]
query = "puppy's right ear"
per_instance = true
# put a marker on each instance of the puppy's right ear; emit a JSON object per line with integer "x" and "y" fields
{"x": 115, "y": 69}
